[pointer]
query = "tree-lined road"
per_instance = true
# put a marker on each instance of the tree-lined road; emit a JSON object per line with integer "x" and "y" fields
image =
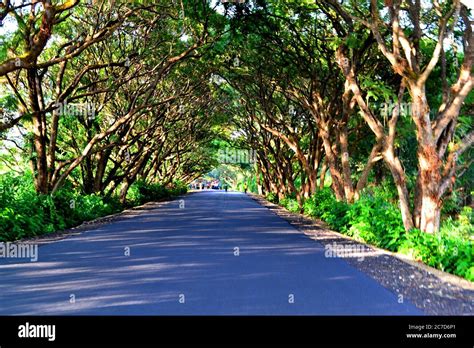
{"x": 183, "y": 261}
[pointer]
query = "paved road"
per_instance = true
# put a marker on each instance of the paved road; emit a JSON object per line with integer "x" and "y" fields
{"x": 182, "y": 261}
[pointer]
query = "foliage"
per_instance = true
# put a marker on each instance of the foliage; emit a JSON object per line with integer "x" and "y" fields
{"x": 374, "y": 220}
{"x": 445, "y": 251}
{"x": 291, "y": 204}
{"x": 178, "y": 188}
{"x": 147, "y": 193}
{"x": 323, "y": 205}
{"x": 463, "y": 225}
{"x": 272, "y": 197}
{"x": 24, "y": 213}
{"x": 141, "y": 192}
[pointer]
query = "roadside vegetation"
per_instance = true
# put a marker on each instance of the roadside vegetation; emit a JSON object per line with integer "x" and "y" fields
{"x": 376, "y": 220}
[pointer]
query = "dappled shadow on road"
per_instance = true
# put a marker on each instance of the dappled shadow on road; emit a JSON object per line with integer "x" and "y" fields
{"x": 220, "y": 254}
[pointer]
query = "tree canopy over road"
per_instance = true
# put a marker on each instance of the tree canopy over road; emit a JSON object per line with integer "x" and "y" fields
{"x": 109, "y": 102}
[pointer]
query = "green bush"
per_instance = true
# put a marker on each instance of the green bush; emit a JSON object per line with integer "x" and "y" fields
{"x": 291, "y": 204}
{"x": 375, "y": 220}
{"x": 24, "y": 213}
{"x": 323, "y": 205}
{"x": 462, "y": 225}
{"x": 451, "y": 203}
{"x": 178, "y": 188}
{"x": 272, "y": 197}
{"x": 141, "y": 192}
{"x": 153, "y": 192}
{"x": 443, "y": 251}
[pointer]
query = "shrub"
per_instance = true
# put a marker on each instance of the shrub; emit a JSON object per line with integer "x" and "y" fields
{"x": 323, "y": 205}
{"x": 462, "y": 225}
{"x": 452, "y": 203}
{"x": 140, "y": 192}
{"x": 375, "y": 220}
{"x": 24, "y": 213}
{"x": 291, "y": 204}
{"x": 319, "y": 203}
{"x": 272, "y": 197}
{"x": 443, "y": 251}
{"x": 178, "y": 188}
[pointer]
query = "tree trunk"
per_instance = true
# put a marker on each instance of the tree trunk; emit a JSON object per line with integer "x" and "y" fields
{"x": 429, "y": 163}
{"x": 346, "y": 169}
{"x": 399, "y": 178}
{"x": 39, "y": 141}
{"x": 322, "y": 175}
{"x": 429, "y": 184}
{"x": 332, "y": 164}
{"x": 364, "y": 177}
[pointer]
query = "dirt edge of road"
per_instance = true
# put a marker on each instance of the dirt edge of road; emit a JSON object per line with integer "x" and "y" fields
{"x": 433, "y": 291}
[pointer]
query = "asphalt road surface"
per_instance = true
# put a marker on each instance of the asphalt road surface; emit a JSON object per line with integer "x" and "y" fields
{"x": 220, "y": 254}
